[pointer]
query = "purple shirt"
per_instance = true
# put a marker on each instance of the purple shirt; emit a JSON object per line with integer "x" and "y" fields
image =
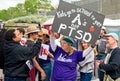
{"x": 65, "y": 65}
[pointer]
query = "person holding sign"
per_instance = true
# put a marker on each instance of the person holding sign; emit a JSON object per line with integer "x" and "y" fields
{"x": 43, "y": 58}
{"x": 66, "y": 59}
{"x": 79, "y": 23}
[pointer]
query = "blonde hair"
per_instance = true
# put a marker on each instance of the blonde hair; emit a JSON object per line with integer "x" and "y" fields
{"x": 81, "y": 47}
{"x": 72, "y": 49}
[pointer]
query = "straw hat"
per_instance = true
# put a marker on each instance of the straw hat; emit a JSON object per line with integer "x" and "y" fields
{"x": 45, "y": 31}
{"x": 32, "y": 29}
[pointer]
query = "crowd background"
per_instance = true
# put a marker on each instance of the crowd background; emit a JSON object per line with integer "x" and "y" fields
{"x": 44, "y": 67}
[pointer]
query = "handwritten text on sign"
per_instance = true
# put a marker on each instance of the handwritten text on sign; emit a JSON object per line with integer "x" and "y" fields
{"x": 77, "y": 22}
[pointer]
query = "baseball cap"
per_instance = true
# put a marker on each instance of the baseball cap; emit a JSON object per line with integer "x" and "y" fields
{"x": 114, "y": 35}
{"x": 103, "y": 28}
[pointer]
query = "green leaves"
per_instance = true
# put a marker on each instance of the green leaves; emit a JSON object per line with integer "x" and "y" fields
{"x": 28, "y": 8}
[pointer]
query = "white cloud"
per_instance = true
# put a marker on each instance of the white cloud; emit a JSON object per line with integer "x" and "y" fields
{"x": 4, "y": 4}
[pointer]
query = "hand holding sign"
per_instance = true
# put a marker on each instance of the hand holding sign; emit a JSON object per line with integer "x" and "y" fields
{"x": 43, "y": 51}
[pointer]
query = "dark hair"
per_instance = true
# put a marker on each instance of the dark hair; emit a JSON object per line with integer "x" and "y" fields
{"x": 21, "y": 30}
{"x": 46, "y": 39}
{"x": 47, "y": 36}
{"x": 29, "y": 35}
{"x": 9, "y": 35}
{"x": 104, "y": 31}
{"x": 32, "y": 33}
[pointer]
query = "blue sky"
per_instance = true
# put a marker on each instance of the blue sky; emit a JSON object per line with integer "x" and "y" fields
{"x": 4, "y": 4}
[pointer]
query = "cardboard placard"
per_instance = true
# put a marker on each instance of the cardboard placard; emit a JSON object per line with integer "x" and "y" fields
{"x": 77, "y": 22}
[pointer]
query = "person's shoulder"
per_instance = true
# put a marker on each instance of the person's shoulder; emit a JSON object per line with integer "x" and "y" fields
{"x": 21, "y": 48}
{"x": 117, "y": 50}
{"x": 29, "y": 42}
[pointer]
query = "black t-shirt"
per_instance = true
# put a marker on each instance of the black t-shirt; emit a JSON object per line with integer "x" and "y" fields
{"x": 29, "y": 43}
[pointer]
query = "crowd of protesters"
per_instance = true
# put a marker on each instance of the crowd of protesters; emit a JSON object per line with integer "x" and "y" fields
{"x": 39, "y": 58}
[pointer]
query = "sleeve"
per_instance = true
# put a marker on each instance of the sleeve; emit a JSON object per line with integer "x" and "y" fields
{"x": 1, "y": 60}
{"x": 88, "y": 59}
{"x": 87, "y": 51}
{"x": 54, "y": 52}
{"x": 52, "y": 43}
{"x": 1, "y": 56}
{"x": 113, "y": 63}
{"x": 29, "y": 52}
{"x": 80, "y": 56}
{"x": 50, "y": 49}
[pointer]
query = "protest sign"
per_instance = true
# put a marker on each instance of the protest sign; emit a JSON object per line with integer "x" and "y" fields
{"x": 77, "y": 22}
{"x": 43, "y": 51}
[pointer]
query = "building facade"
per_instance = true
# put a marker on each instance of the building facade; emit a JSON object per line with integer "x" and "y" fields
{"x": 109, "y": 8}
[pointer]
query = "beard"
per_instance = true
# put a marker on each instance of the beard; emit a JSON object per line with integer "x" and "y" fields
{"x": 107, "y": 45}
